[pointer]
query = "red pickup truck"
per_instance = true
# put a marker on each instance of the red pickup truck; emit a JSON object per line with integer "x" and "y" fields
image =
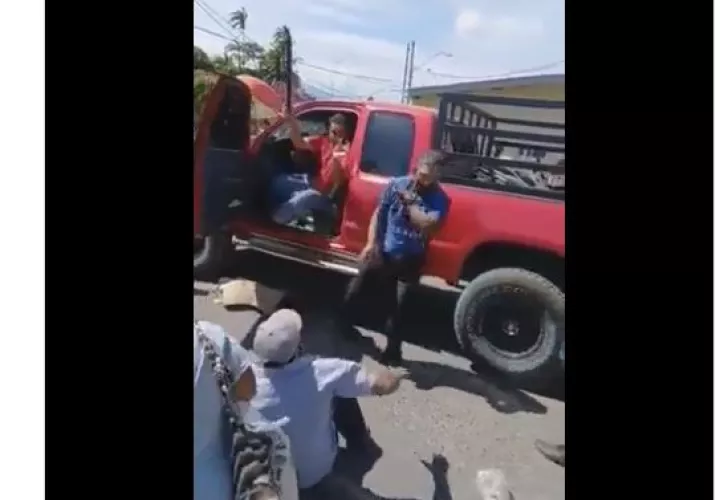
{"x": 503, "y": 242}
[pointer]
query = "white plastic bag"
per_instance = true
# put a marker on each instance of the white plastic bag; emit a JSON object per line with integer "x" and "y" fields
{"x": 492, "y": 485}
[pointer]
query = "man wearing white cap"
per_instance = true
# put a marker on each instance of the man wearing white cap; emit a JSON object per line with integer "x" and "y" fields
{"x": 300, "y": 390}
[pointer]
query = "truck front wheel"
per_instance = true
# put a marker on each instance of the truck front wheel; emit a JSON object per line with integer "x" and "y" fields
{"x": 211, "y": 255}
{"x": 514, "y": 320}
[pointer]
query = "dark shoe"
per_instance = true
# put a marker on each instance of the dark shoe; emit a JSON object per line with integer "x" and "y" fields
{"x": 391, "y": 357}
{"x": 553, "y": 452}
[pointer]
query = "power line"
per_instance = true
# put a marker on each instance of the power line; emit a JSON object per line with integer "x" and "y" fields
{"x": 215, "y": 17}
{"x": 233, "y": 38}
{"x": 213, "y": 33}
{"x": 301, "y": 63}
{"x": 345, "y": 73}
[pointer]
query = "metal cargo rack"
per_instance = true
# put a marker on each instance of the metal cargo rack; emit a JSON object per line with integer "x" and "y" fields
{"x": 478, "y": 143}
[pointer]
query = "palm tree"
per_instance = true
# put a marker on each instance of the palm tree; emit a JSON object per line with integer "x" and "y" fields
{"x": 238, "y": 19}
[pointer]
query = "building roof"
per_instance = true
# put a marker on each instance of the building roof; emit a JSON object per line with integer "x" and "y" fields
{"x": 519, "y": 81}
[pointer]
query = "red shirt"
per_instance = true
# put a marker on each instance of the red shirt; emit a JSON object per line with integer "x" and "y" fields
{"x": 323, "y": 149}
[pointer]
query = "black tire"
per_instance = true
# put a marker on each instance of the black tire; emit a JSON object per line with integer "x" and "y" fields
{"x": 211, "y": 259}
{"x": 540, "y": 362}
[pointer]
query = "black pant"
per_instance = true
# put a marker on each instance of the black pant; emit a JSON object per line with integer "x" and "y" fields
{"x": 389, "y": 279}
{"x": 347, "y": 414}
{"x": 349, "y": 420}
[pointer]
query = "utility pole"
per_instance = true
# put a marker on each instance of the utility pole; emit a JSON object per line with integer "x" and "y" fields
{"x": 288, "y": 69}
{"x": 405, "y": 73}
{"x": 411, "y": 68}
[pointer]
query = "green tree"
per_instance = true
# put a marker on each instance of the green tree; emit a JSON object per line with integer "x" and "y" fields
{"x": 246, "y": 55}
{"x": 200, "y": 59}
{"x": 226, "y": 64}
{"x": 272, "y": 61}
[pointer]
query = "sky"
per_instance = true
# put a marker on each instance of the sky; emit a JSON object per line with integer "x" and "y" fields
{"x": 356, "y": 48}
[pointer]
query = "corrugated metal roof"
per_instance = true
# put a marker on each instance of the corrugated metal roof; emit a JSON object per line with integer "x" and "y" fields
{"x": 518, "y": 81}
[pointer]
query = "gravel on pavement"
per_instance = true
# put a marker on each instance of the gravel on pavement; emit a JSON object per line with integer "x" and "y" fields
{"x": 443, "y": 415}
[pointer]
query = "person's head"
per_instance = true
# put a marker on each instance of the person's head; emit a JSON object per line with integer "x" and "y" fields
{"x": 277, "y": 339}
{"x": 337, "y": 128}
{"x": 427, "y": 169}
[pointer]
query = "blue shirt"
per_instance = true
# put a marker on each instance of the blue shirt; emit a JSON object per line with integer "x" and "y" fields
{"x": 212, "y": 477}
{"x": 397, "y": 236}
{"x": 301, "y": 393}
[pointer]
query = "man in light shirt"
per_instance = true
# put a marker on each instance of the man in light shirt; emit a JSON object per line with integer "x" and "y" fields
{"x": 300, "y": 390}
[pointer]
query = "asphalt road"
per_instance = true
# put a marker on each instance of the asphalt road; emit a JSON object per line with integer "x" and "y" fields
{"x": 473, "y": 421}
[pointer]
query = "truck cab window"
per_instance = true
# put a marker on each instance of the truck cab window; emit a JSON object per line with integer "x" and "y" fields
{"x": 388, "y": 144}
{"x": 311, "y": 123}
{"x": 309, "y": 126}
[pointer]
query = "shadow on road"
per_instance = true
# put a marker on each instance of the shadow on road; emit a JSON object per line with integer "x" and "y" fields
{"x": 438, "y": 467}
{"x": 428, "y": 375}
{"x": 428, "y": 324}
{"x": 352, "y": 471}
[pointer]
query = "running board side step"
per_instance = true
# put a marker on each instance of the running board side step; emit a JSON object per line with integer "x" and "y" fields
{"x": 332, "y": 261}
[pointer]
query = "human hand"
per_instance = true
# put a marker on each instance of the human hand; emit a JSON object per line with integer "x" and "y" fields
{"x": 369, "y": 253}
{"x": 285, "y": 112}
{"x": 406, "y": 197}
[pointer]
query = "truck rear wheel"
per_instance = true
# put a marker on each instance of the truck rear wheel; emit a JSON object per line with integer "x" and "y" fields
{"x": 211, "y": 256}
{"x": 514, "y": 320}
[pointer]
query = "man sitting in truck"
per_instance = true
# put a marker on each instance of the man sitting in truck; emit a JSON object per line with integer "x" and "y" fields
{"x": 302, "y": 197}
{"x": 410, "y": 210}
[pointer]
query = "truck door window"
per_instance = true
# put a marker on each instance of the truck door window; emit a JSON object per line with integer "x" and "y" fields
{"x": 310, "y": 124}
{"x": 388, "y": 144}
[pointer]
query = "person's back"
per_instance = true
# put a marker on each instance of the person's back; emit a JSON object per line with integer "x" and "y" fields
{"x": 303, "y": 392}
{"x": 300, "y": 390}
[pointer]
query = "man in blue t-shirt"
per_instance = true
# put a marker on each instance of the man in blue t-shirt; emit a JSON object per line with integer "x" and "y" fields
{"x": 410, "y": 210}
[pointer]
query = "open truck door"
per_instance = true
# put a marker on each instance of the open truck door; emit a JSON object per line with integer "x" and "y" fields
{"x": 222, "y": 172}
{"x": 227, "y": 180}
{"x": 224, "y": 176}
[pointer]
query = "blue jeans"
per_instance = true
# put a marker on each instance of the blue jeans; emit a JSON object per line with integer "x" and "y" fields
{"x": 295, "y": 198}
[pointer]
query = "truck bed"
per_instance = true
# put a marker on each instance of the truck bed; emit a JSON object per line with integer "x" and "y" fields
{"x": 502, "y": 150}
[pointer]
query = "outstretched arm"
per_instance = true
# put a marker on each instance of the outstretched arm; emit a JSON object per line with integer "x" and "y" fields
{"x": 295, "y": 134}
{"x": 351, "y": 380}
